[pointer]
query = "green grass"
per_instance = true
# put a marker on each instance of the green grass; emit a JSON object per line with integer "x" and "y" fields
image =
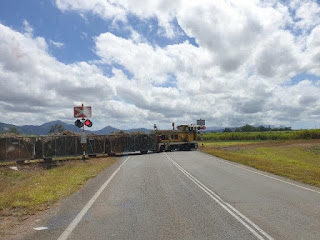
{"x": 31, "y": 190}
{"x": 298, "y": 160}
{"x": 279, "y": 135}
{"x": 226, "y": 143}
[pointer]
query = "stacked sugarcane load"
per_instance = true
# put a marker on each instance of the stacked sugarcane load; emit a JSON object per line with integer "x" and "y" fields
{"x": 9, "y": 135}
{"x": 14, "y": 147}
{"x": 130, "y": 142}
{"x": 66, "y": 143}
{"x": 65, "y": 133}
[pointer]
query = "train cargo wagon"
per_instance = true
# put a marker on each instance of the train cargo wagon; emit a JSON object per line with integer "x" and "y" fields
{"x": 17, "y": 148}
{"x": 123, "y": 143}
{"x": 96, "y": 144}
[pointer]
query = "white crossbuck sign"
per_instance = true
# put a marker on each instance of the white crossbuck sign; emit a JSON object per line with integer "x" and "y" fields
{"x": 82, "y": 112}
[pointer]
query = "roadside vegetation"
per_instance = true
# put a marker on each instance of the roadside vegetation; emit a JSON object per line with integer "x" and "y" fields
{"x": 31, "y": 189}
{"x": 266, "y": 135}
{"x": 295, "y": 159}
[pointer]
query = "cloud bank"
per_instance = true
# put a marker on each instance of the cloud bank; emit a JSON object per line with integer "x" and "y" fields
{"x": 238, "y": 71}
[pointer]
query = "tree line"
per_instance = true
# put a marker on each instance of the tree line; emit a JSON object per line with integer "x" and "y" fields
{"x": 250, "y": 128}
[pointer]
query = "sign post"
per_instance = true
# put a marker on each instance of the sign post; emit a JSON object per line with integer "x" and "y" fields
{"x": 83, "y": 113}
{"x": 202, "y": 124}
{"x": 83, "y": 142}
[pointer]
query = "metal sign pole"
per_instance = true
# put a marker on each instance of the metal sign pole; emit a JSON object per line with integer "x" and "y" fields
{"x": 201, "y": 123}
{"x": 83, "y": 145}
{"x": 82, "y": 112}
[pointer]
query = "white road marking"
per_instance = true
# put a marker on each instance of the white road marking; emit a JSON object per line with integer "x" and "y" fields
{"x": 40, "y": 228}
{"x": 85, "y": 209}
{"x": 252, "y": 227}
{"x": 265, "y": 175}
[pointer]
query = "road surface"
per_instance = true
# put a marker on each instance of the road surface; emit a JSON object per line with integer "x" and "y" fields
{"x": 185, "y": 195}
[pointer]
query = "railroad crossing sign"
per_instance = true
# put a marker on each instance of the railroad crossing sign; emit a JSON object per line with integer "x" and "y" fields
{"x": 201, "y": 122}
{"x": 82, "y": 112}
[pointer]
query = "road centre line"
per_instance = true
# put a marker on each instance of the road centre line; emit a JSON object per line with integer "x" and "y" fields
{"x": 252, "y": 227}
{"x": 256, "y": 172}
{"x": 85, "y": 209}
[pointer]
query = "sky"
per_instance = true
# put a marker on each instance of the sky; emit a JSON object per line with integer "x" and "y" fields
{"x": 139, "y": 63}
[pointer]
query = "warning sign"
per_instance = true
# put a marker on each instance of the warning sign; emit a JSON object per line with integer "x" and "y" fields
{"x": 82, "y": 112}
{"x": 201, "y": 122}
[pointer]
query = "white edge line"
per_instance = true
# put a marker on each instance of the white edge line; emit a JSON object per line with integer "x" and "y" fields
{"x": 84, "y": 210}
{"x": 256, "y": 172}
{"x": 40, "y": 228}
{"x": 221, "y": 202}
{"x": 224, "y": 204}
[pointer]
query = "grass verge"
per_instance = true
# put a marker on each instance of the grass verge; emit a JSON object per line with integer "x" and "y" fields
{"x": 34, "y": 189}
{"x": 275, "y": 135}
{"x": 297, "y": 160}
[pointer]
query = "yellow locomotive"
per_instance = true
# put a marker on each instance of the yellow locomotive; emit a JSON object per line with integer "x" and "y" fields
{"x": 184, "y": 138}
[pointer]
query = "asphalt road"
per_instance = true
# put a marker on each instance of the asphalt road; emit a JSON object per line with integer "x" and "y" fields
{"x": 185, "y": 195}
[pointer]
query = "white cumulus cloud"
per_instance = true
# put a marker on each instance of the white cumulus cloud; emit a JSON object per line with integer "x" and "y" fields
{"x": 239, "y": 71}
{"x": 57, "y": 44}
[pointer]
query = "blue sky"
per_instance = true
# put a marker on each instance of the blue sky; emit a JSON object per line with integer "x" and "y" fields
{"x": 76, "y": 31}
{"x": 183, "y": 44}
{"x": 49, "y": 22}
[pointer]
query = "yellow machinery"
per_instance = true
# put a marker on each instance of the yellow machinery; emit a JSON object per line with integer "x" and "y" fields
{"x": 184, "y": 138}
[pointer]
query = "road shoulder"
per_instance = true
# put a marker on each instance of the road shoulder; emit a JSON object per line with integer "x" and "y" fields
{"x": 67, "y": 208}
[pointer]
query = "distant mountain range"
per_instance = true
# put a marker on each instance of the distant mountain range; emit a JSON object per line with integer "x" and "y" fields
{"x": 220, "y": 129}
{"x": 45, "y": 128}
{"x": 214, "y": 129}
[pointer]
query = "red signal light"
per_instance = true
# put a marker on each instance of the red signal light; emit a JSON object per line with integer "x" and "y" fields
{"x": 88, "y": 123}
